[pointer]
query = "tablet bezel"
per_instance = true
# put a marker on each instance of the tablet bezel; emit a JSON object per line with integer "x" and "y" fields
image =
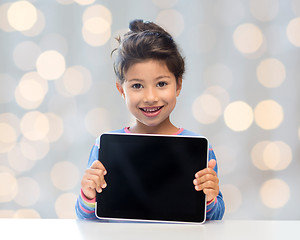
{"x": 147, "y": 220}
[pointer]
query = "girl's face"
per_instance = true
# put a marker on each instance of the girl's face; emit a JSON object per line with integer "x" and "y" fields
{"x": 150, "y": 92}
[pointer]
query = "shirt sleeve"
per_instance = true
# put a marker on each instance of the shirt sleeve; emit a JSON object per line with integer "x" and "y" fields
{"x": 85, "y": 208}
{"x": 215, "y": 209}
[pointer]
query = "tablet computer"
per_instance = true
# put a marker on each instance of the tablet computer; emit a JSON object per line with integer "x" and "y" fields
{"x": 150, "y": 178}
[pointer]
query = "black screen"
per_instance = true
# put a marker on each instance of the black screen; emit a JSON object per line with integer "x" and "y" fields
{"x": 150, "y": 177}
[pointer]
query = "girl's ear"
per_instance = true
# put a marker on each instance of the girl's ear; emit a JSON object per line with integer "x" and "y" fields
{"x": 120, "y": 89}
{"x": 178, "y": 86}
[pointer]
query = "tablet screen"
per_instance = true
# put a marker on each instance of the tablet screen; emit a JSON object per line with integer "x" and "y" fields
{"x": 150, "y": 177}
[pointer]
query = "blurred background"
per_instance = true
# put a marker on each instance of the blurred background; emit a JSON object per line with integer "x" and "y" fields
{"x": 240, "y": 90}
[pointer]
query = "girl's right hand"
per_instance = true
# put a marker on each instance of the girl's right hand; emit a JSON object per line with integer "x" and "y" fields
{"x": 93, "y": 180}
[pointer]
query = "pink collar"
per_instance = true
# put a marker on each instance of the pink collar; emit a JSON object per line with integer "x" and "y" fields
{"x": 126, "y": 129}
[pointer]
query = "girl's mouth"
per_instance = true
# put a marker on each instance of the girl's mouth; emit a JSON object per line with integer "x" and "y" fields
{"x": 151, "y": 111}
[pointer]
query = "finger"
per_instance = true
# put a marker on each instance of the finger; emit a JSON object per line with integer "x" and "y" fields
{"x": 98, "y": 165}
{"x": 212, "y": 163}
{"x": 96, "y": 175}
{"x": 205, "y": 172}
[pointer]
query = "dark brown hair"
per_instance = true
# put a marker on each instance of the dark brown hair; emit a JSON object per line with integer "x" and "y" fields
{"x": 145, "y": 41}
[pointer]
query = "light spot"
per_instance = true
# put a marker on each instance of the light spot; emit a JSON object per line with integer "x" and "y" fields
{"x": 38, "y": 27}
{"x": 220, "y": 93}
{"x": 26, "y": 213}
{"x": 96, "y": 25}
{"x": 22, "y": 15}
{"x": 7, "y": 88}
{"x": 34, "y": 125}
{"x": 84, "y": 2}
{"x": 6, "y": 213}
{"x": 65, "y": 2}
{"x": 238, "y": 116}
{"x": 257, "y": 155}
{"x": 218, "y": 74}
{"x": 29, "y": 192}
{"x": 206, "y": 109}
{"x": 9, "y": 129}
{"x": 264, "y": 10}
{"x": 56, "y": 127}
{"x": 248, "y": 38}
{"x": 77, "y": 80}
{"x": 8, "y": 186}
{"x": 97, "y": 21}
{"x": 293, "y": 31}
{"x": 64, "y": 205}
{"x": 233, "y": 197}
{"x": 25, "y": 55}
{"x": 17, "y": 161}
{"x": 275, "y": 193}
{"x": 277, "y": 155}
{"x": 64, "y": 181}
{"x": 34, "y": 150}
{"x": 172, "y": 21}
{"x": 268, "y": 114}
{"x": 4, "y": 25}
{"x": 165, "y": 3}
{"x": 271, "y": 73}
{"x": 97, "y": 121}
{"x": 50, "y": 65}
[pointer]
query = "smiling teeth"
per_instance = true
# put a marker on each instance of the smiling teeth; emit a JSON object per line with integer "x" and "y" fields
{"x": 151, "y": 109}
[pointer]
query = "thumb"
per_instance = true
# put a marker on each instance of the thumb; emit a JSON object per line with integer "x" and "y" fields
{"x": 212, "y": 163}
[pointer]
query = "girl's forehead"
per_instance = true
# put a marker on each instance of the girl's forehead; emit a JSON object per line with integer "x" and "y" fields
{"x": 149, "y": 66}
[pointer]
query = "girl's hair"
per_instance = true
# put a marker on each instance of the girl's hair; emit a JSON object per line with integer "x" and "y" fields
{"x": 145, "y": 41}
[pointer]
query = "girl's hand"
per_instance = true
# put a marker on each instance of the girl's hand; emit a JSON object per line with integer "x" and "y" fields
{"x": 93, "y": 180}
{"x": 207, "y": 181}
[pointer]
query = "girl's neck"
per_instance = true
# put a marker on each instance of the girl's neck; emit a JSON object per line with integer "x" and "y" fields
{"x": 166, "y": 128}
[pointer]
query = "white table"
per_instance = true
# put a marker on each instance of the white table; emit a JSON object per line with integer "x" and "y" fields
{"x": 55, "y": 229}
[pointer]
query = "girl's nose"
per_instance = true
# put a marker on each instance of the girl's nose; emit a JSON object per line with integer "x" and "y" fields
{"x": 150, "y": 96}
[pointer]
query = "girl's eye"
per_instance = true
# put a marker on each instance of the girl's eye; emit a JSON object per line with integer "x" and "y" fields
{"x": 161, "y": 84}
{"x": 137, "y": 86}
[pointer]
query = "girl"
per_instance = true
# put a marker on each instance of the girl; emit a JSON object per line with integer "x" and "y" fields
{"x": 149, "y": 68}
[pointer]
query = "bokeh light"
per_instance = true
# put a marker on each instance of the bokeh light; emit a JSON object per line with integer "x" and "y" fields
{"x": 172, "y": 21}
{"x": 38, "y": 27}
{"x": 28, "y": 192}
{"x": 238, "y": 116}
{"x": 34, "y": 150}
{"x": 56, "y": 127}
{"x": 17, "y": 161}
{"x": 293, "y": 31}
{"x": 271, "y": 72}
{"x": 10, "y": 131}
{"x": 97, "y": 21}
{"x": 268, "y": 114}
{"x": 84, "y": 2}
{"x": 22, "y": 15}
{"x": 76, "y": 80}
{"x": 206, "y": 108}
{"x": 26, "y": 213}
{"x": 34, "y": 125}
{"x": 65, "y": 2}
{"x": 277, "y": 155}
{"x": 64, "y": 205}
{"x": 248, "y": 38}
{"x": 275, "y": 193}
{"x": 4, "y": 25}
{"x": 8, "y": 186}
{"x": 64, "y": 181}
{"x": 264, "y": 10}
{"x": 271, "y": 155}
{"x": 97, "y": 121}
{"x": 50, "y": 65}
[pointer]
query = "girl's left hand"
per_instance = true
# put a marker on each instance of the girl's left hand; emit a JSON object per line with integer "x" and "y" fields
{"x": 208, "y": 181}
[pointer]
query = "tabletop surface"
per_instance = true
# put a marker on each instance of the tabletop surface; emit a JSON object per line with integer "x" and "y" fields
{"x": 78, "y": 229}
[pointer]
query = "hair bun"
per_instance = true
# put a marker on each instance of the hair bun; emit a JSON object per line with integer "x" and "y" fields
{"x": 138, "y": 25}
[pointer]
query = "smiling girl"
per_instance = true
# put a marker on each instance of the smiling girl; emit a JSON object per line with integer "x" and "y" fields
{"x": 149, "y": 69}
